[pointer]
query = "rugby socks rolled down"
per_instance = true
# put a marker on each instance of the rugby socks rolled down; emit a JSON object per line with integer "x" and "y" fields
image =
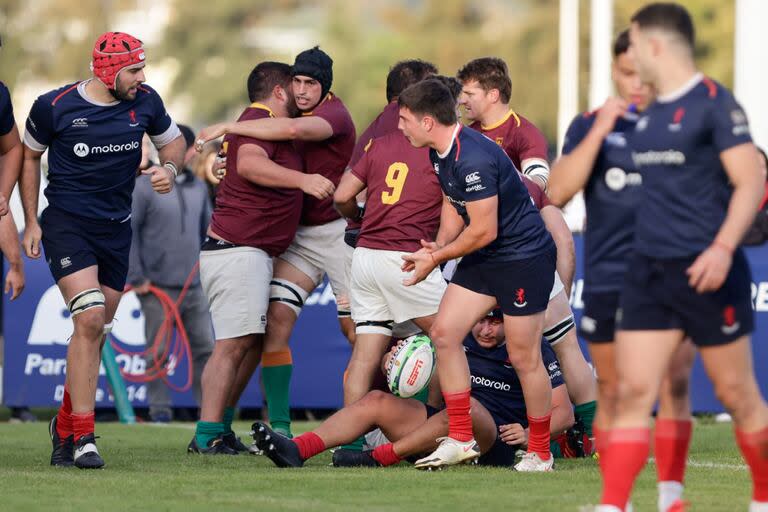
{"x": 538, "y": 436}
{"x": 385, "y": 455}
{"x": 276, "y": 371}
{"x": 671, "y": 441}
{"x": 207, "y": 430}
{"x": 754, "y": 448}
{"x": 227, "y": 418}
{"x": 309, "y": 444}
{"x": 459, "y": 420}
{"x": 83, "y": 424}
{"x": 64, "y": 417}
{"x": 628, "y": 450}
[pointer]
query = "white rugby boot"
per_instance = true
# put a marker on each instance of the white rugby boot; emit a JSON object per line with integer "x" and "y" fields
{"x": 532, "y": 463}
{"x": 449, "y": 453}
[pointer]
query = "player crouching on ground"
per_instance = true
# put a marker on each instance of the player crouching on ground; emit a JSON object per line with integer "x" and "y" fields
{"x": 499, "y": 418}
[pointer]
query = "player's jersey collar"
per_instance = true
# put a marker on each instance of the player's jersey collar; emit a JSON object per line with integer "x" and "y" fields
{"x": 327, "y": 97}
{"x": 84, "y": 95}
{"x": 503, "y": 120}
{"x": 453, "y": 138}
{"x": 683, "y": 90}
{"x": 261, "y": 106}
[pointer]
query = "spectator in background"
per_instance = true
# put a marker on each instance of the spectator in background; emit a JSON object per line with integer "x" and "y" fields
{"x": 758, "y": 233}
{"x": 203, "y": 167}
{"x": 167, "y": 233}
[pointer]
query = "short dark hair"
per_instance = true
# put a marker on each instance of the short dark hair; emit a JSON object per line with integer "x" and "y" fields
{"x": 490, "y": 73}
{"x": 452, "y": 84}
{"x": 406, "y": 73}
{"x": 188, "y": 134}
{"x": 265, "y": 76}
{"x": 621, "y": 43}
{"x": 430, "y": 97}
{"x": 670, "y": 17}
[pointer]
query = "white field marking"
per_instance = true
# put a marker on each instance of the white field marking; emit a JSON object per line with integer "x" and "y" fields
{"x": 709, "y": 465}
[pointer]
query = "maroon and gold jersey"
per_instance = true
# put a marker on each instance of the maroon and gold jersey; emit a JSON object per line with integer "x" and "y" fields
{"x": 538, "y": 196}
{"x": 519, "y": 138}
{"x": 384, "y": 124}
{"x": 252, "y": 215}
{"x": 404, "y": 197}
{"x": 328, "y": 157}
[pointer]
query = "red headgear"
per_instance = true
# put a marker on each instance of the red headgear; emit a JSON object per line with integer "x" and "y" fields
{"x": 112, "y": 53}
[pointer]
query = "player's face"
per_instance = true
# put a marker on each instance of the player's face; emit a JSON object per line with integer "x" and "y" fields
{"x": 628, "y": 83}
{"x": 128, "y": 82}
{"x": 307, "y": 92}
{"x": 474, "y": 99}
{"x": 413, "y": 127}
{"x": 489, "y": 332}
{"x": 641, "y": 54}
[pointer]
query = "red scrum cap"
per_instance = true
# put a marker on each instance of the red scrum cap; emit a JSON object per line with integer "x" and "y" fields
{"x": 112, "y": 53}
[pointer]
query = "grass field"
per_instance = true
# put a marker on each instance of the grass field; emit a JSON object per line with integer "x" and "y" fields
{"x": 148, "y": 469}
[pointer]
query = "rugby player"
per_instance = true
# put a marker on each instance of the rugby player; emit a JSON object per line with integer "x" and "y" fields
{"x": 701, "y": 189}
{"x": 411, "y": 427}
{"x": 508, "y": 258}
{"x": 324, "y": 136}
{"x": 258, "y": 206}
{"x": 486, "y": 92}
{"x": 596, "y": 158}
{"x": 92, "y": 131}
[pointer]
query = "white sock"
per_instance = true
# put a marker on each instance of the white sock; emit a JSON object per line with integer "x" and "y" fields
{"x": 758, "y": 506}
{"x": 669, "y": 492}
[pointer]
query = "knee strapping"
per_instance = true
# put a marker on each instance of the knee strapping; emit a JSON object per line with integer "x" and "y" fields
{"x": 288, "y": 293}
{"x": 555, "y": 334}
{"x": 374, "y": 327}
{"x": 85, "y": 300}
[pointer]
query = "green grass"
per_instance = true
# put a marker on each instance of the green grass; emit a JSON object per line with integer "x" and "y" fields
{"x": 148, "y": 469}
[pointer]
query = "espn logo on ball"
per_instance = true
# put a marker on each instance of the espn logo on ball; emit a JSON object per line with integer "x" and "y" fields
{"x": 415, "y": 372}
{"x": 411, "y": 366}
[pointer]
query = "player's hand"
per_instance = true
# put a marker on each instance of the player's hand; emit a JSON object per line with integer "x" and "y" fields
{"x": 513, "y": 434}
{"x": 31, "y": 240}
{"x": 709, "y": 270}
{"x": 14, "y": 280}
{"x": 3, "y": 206}
{"x": 612, "y": 109}
{"x": 217, "y": 171}
{"x": 143, "y": 288}
{"x": 162, "y": 178}
{"x": 422, "y": 262}
{"x": 210, "y": 133}
{"x": 317, "y": 185}
{"x": 427, "y": 248}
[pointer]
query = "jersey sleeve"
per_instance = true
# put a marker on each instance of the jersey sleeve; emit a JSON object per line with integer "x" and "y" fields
{"x": 162, "y": 130}
{"x": 6, "y": 111}
{"x": 730, "y": 126}
{"x": 336, "y": 116}
{"x": 576, "y": 132}
{"x": 531, "y": 143}
{"x": 552, "y": 365}
{"x": 479, "y": 178}
{"x": 40, "y": 128}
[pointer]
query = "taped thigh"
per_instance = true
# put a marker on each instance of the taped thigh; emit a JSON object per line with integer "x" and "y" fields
{"x": 287, "y": 293}
{"x": 85, "y": 300}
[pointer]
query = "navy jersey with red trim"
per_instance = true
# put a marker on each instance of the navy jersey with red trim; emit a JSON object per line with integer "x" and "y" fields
{"x": 495, "y": 383}
{"x": 476, "y": 168}
{"x": 6, "y": 111}
{"x": 611, "y": 197}
{"x": 676, "y": 145}
{"x": 94, "y": 149}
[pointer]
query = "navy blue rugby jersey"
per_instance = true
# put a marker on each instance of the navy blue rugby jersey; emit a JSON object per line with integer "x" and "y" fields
{"x": 94, "y": 149}
{"x": 676, "y": 146}
{"x": 476, "y": 168}
{"x": 6, "y": 111}
{"x": 611, "y": 197}
{"x": 495, "y": 383}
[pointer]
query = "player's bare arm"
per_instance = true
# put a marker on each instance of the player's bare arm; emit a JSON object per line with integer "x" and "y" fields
{"x": 710, "y": 269}
{"x": 13, "y": 155}
{"x": 172, "y": 160}
{"x": 566, "y": 250}
{"x": 9, "y": 246}
{"x": 346, "y": 196}
{"x": 571, "y": 172}
{"x": 29, "y": 187}
{"x": 254, "y": 165}
{"x": 302, "y": 128}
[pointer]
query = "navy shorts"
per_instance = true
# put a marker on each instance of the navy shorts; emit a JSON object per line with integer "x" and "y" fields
{"x": 598, "y": 320}
{"x": 521, "y": 287}
{"x": 657, "y": 296}
{"x": 500, "y": 454}
{"x": 72, "y": 243}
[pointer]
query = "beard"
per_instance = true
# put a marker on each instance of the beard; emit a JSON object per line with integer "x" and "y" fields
{"x": 121, "y": 92}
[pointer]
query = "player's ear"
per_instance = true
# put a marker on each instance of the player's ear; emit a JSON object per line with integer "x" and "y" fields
{"x": 493, "y": 95}
{"x": 427, "y": 122}
{"x": 279, "y": 93}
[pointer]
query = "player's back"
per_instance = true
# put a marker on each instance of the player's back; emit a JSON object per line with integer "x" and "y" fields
{"x": 251, "y": 214}
{"x": 517, "y": 136}
{"x": 676, "y": 145}
{"x": 404, "y": 198}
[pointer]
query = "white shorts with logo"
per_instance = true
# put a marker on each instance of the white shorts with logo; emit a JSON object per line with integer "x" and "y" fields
{"x": 378, "y": 292}
{"x": 319, "y": 250}
{"x": 236, "y": 282}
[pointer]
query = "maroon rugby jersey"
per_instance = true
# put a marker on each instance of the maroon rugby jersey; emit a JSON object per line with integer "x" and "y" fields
{"x": 404, "y": 196}
{"x": 328, "y": 157}
{"x": 517, "y": 136}
{"x": 252, "y": 215}
{"x": 538, "y": 196}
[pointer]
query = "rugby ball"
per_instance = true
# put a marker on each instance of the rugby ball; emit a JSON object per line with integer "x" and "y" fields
{"x": 411, "y": 366}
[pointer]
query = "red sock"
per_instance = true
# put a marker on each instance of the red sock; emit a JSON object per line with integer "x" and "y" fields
{"x": 754, "y": 447}
{"x": 459, "y": 420}
{"x": 627, "y": 453}
{"x": 672, "y": 439}
{"x": 64, "y": 417}
{"x": 309, "y": 445}
{"x": 82, "y": 424}
{"x": 538, "y": 436}
{"x": 385, "y": 455}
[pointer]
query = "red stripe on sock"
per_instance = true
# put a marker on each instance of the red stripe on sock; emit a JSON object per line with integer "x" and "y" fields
{"x": 83, "y": 424}
{"x": 385, "y": 455}
{"x": 538, "y": 435}
{"x": 754, "y": 448}
{"x": 64, "y": 416}
{"x": 309, "y": 445}
{"x": 672, "y": 439}
{"x": 459, "y": 420}
{"x": 626, "y": 456}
